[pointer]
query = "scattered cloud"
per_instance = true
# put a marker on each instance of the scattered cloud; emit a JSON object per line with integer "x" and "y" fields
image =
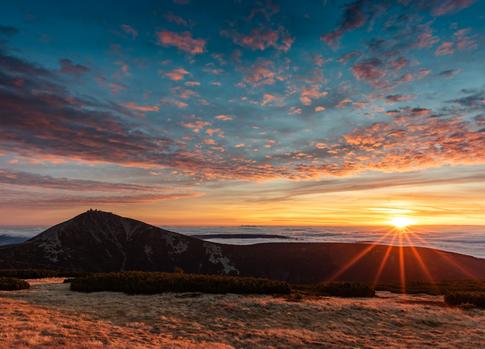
{"x": 177, "y": 74}
{"x": 70, "y": 68}
{"x": 128, "y": 29}
{"x": 183, "y": 41}
{"x": 142, "y": 108}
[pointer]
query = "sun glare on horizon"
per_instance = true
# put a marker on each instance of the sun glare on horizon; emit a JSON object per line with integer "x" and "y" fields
{"x": 401, "y": 222}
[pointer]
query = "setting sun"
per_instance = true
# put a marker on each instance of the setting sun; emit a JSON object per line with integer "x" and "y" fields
{"x": 401, "y": 222}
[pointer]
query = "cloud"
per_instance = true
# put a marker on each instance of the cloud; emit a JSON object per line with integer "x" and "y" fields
{"x": 48, "y": 182}
{"x": 446, "y": 48}
{"x": 32, "y": 200}
{"x": 173, "y": 18}
{"x": 409, "y": 112}
{"x": 70, "y": 68}
{"x": 177, "y": 74}
{"x": 269, "y": 98}
{"x": 444, "y": 7}
{"x": 463, "y": 41}
{"x": 474, "y": 100}
{"x": 449, "y": 73}
{"x": 142, "y": 108}
{"x": 8, "y": 30}
{"x": 260, "y": 73}
{"x": 262, "y": 38}
{"x": 370, "y": 70}
{"x": 195, "y": 126}
{"x": 224, "y": 117}
{"x": 128, "y": 29}
{"x": 353, "y": 18}
{"x": 399, "y": 98}
{"x": 174, "y": 102}
{"x": 183, "y": 41}
{"x": 308, "y": 94}
{"x": 425, "y": 37}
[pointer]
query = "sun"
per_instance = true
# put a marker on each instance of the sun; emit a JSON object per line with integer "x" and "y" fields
{"x": 401, "y": 222}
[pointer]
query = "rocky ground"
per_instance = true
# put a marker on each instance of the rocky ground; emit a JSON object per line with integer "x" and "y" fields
{"x": 49, "y": 315}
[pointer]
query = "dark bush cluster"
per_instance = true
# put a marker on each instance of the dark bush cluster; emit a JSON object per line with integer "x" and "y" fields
{"x": 442, "y": 287}
{"x": 152, "y": 282}
{"x": 37, "y": 273}
{"x": 11, "y": 284}
{"x": 345, "y": 289}
{"x": 476, "y": 299}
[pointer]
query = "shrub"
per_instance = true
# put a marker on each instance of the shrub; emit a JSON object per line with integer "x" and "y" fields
{"x": 345, "y": 289}
{"x": 442, "y": 287}
{"x": 37, "y": 273}
{"x": 11, "y": 284}
{"x": 462, "y": 298}
{"x": 152, "y": 282}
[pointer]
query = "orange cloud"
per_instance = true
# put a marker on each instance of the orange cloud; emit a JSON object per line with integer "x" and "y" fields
{"x": 183, "y": 41}
{"x": 177, "y": 74}
{"x": 142, "y": 108}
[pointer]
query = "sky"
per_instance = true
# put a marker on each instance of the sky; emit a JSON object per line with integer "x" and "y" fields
{"x": 190, "y": 112}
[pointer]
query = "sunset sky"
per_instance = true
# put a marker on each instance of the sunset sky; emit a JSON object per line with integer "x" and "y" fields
{"x": 229, "y": 112}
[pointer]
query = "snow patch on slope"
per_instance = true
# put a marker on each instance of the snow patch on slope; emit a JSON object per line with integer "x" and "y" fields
{"x": 216, "y": 257}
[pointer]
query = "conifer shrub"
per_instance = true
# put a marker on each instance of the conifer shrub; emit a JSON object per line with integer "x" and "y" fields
{"x": 12, "y": 284}
{"x": 38, "y": 273}
{"x": 345, "y": 289}
{"x": 476, "y": 299}
{"x": 154, "y": 282}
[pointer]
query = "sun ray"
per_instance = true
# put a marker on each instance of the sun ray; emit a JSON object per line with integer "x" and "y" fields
{"x": 357, "y": 258}
{"x": 402, "y": 267}
{"x": 445, "y": 257}
{"x": 421, "y": 263}
{"x": 384, "y": 261}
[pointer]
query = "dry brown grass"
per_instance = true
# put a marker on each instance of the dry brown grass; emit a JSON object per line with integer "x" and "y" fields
{"x": 49, "y": 315}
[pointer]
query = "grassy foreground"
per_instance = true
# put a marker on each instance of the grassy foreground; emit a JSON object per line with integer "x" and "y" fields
{"x": 11, "y": 284}
{"x": 152, "y": 283}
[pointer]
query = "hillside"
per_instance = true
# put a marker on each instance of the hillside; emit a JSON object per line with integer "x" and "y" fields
{"x": 101, "y": 241}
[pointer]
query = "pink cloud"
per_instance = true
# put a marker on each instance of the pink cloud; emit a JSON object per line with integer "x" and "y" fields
{"x": 142, "y": 108}
{"x": 261, "y": 73}
{"x": 196, "y": 126}
{"x": 261, "y": 39}
{"x": 224, "y": 117}
{"x": 445, "y": 48}
{"x": 308, "y": 94}
{"x": 444, "y": 7}
{"x": 129, "y": 30}
{"x": 177, "y": 74}
{"x": 174, "y": 102}
{"x": 370, "y": 70}
{"x": 269, "y": 98}
{"x": 182, "y": 41}
{"x": 463, "y": 41}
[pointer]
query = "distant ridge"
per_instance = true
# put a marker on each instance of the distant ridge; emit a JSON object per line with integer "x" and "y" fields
{"x": 102, "y": 241}
{"x": 6, "y": 239}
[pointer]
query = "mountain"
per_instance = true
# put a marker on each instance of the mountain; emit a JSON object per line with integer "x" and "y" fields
{"x": 10, "y": 240}
{"x": 101, "y": 241}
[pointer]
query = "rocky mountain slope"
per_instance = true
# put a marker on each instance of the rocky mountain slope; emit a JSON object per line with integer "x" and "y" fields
{"x": 101, "y": 241}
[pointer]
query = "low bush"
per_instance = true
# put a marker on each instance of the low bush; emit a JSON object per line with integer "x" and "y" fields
{"x": 439, "y": 288}
{"x": 11, "y": 284}
{"x": 153, "y": 282}
{"x": 476, "y": 299}
{"x": 38, "y": 273}
{"x": 345, "y": 289}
